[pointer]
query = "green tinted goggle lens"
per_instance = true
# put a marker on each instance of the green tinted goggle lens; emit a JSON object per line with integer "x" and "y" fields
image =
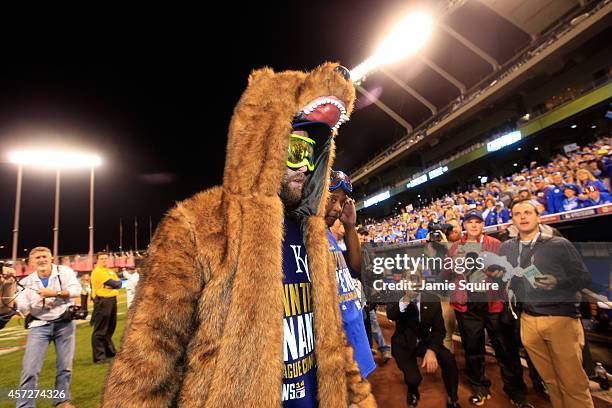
{"x": 301, "y": 152}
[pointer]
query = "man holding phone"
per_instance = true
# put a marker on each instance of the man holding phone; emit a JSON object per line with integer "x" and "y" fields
{"x": 551, "y": 330}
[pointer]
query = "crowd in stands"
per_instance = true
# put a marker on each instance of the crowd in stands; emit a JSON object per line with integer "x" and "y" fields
{"x": 570, "y": 181}
{"x": 545, "y": 41}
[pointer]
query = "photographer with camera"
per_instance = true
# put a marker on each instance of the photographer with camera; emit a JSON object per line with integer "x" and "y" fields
{"x": 7, "y": 291}
{"x": 437, "y": 231}
{"x": 46, "y": 302}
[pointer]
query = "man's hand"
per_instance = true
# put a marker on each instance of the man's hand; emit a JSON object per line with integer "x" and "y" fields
{"x": 46, "y": 292}
{"x": 546, "y": 282}
{"x": 7, "y": 275}
{"x": 495, "y": 271}
{"x": 349, "y": 213}
{"x": 430, "y": 362}
{"x": 404, "y": 302}
{"x": 443, "y": 237}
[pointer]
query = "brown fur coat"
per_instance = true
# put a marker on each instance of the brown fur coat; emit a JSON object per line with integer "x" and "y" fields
{"x": 205, "y": 329}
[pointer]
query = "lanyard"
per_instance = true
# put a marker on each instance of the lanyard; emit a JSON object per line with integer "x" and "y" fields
{"x": 531, "y": 247}
{"x": 531, "y": 243}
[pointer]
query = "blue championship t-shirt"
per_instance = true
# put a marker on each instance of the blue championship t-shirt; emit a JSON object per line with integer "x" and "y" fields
{"x": 352, "y": 315}
{"x": 300, "y": 368}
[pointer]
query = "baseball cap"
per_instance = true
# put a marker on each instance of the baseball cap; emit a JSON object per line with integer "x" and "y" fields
{"x": 590, "y": 189}
{"x": 571, "y": 187}
{"x": 473, "y": 214}
{"x": 318, "y": 131}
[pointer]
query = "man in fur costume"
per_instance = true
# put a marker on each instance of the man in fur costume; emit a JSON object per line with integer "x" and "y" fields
{"x": 209, "y": 327}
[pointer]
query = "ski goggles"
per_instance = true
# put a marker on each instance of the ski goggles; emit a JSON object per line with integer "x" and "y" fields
{"x": 301, "y": 152}
{"x": 338, "y": 179}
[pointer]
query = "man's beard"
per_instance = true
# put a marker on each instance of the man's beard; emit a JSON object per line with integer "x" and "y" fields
{"x": 290, "y": 197}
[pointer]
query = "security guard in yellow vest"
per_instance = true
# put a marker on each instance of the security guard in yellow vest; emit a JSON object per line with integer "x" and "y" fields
{"x": 105, "y": 284}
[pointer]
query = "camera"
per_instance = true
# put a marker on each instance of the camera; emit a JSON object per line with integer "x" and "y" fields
{"x": 77, "y": 313}
{"x": 436, "y": 228}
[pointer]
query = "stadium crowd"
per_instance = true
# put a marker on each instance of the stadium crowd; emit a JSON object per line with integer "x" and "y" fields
{"x": 570, "y": 181}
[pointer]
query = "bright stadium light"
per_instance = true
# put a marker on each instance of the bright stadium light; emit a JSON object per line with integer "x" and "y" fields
{"x": 54, "y": 159}
{"x": 406, "y": 38}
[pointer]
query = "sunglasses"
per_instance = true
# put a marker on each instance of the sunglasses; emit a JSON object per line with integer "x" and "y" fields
{"x": 301, "y": 152}
{"x": 338, "y": 179}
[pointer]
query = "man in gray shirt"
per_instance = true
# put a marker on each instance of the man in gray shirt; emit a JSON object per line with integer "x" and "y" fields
{"x": 551, "y": 331}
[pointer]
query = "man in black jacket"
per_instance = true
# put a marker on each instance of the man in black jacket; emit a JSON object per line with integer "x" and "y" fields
{"x": 419, "y": 332}
{"x": 551, "y": 331}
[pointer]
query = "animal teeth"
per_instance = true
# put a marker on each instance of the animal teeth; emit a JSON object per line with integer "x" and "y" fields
{"x": 324, "y": 101}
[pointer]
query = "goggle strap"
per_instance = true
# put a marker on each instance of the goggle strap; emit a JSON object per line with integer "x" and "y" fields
{"x": 304, "y": 138}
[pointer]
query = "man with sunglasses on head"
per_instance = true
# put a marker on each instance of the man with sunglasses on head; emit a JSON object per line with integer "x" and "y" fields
{"x": 341, "y": 207}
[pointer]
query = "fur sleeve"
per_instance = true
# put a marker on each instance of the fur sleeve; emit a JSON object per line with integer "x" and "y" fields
{"x": 359, "y": 391}
{"x": 147, "y": 371}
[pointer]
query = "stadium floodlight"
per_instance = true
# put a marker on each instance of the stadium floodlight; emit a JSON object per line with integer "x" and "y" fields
{"x": 57, "y": 160}
{"x": 54, "y": 159}
{"x": 406, "y": 38}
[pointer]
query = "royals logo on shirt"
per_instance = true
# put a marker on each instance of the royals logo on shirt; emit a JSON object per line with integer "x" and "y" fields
{"x": 299, "y": 368}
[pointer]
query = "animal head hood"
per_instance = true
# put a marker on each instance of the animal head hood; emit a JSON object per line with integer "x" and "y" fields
{"x": 259, "y": 130}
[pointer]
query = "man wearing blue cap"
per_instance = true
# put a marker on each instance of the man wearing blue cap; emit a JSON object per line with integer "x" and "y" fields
{"x": 571, "y": 201}
{"x": 341, "y": 207}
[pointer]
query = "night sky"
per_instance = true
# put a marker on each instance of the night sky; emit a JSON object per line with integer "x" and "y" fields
{"x": 153, "y": 96}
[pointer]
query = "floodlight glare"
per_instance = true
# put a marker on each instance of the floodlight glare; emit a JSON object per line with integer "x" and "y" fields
{"x": 54, "y": 159}
{"x": 408, "y": 36}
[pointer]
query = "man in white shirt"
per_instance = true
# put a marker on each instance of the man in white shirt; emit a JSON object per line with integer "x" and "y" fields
{"x": 47, "y": 293}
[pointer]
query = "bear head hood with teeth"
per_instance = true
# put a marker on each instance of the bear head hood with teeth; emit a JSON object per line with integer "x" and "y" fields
{"x": 206, "y": 325}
